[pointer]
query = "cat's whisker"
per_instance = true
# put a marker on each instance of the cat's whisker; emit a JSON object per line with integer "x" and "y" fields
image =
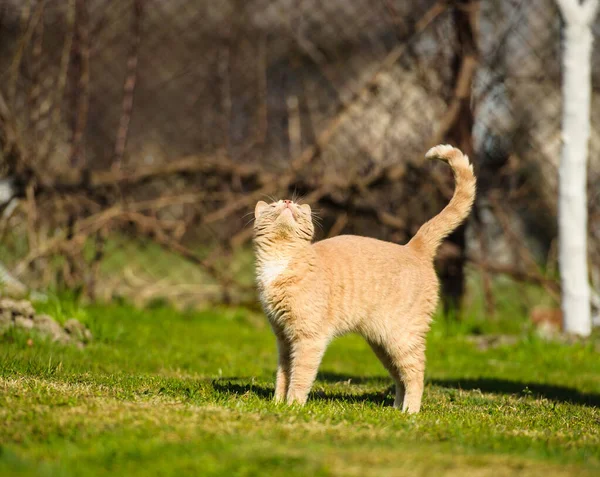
{"x": 299, "y": 199}
{"x": 269, "y": 197}
{"x": 316, "y": 216}
{"x": 318, "y": 224}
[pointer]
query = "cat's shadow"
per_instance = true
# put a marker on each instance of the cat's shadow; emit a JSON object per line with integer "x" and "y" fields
{"x": 551, "y": 392}
{"x": 555, "y": 393}
{"x": 239, "y": 386}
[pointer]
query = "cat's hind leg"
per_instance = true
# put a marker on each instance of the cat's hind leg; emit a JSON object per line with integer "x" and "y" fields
{"x": 407, "y": 356}
{"x": 386, "y": 360}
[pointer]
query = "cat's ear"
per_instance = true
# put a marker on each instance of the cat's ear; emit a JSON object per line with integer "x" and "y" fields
{"x": 260, "y": 208}
{"x": 305, "y": 208}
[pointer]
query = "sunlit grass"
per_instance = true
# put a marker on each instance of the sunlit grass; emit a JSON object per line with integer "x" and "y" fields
{"x": 164, "y": 392}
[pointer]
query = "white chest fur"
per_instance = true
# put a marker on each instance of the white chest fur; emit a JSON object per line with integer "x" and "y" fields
{"x": 269, "y": 270}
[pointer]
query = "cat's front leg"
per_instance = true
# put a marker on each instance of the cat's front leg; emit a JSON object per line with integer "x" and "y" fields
{"x": 306, "y": 355}
{"x": 283, "y": 369}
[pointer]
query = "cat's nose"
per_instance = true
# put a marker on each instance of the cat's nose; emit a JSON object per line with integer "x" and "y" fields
{"x": 287, "y": 202}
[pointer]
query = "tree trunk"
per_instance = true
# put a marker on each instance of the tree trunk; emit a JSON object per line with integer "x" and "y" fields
{"x": 572, "y": 201}
{"x": 460, "y": 134}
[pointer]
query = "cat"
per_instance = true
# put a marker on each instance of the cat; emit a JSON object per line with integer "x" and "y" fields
{"x": 314, "y": 292}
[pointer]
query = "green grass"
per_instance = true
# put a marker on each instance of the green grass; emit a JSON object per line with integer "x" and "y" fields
{"x": 161, "y": 392}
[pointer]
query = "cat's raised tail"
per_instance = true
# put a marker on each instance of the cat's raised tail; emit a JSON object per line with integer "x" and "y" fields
{"x": 430, "y": 235}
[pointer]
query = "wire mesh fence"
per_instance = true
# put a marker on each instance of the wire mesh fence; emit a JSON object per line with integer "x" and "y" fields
{"x": 138, "y": 134}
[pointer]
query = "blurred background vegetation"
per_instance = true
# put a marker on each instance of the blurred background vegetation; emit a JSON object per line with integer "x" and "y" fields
{"x": 136, "y": 137}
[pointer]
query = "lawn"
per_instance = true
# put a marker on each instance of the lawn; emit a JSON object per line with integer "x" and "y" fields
{"x": 162, "y": 392}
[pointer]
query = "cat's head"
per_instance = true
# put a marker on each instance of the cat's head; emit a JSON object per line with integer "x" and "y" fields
{"x": 284, "y": 220}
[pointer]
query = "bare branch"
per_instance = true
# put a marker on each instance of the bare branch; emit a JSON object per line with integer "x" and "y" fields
{"x": 130, "y": 82}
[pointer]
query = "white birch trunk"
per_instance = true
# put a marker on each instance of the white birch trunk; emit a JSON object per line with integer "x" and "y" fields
{"x": 572, "y": 201}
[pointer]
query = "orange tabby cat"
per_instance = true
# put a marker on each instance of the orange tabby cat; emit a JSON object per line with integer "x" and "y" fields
{"x": 312, "y": 293}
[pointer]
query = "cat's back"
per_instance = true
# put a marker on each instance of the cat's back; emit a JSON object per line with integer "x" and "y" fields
{"x": 357, "y": 243}
{"x": 365, "y": 252}
{"x": 368, "y": 277}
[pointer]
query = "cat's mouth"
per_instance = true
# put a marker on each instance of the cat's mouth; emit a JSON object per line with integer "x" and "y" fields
{"x": 288, "y": 212}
